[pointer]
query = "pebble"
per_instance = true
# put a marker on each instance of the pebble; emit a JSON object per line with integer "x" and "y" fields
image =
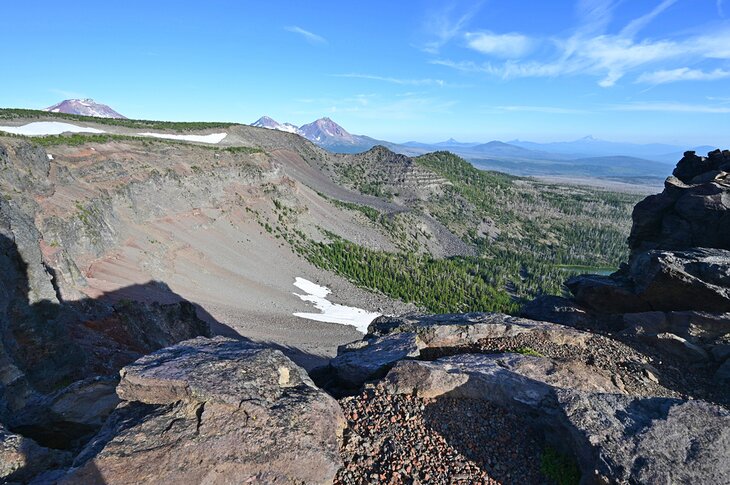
{"x": 409, "y": 440}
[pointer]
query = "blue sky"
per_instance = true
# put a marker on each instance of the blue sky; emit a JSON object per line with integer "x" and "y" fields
{"x": 625, "y": 70}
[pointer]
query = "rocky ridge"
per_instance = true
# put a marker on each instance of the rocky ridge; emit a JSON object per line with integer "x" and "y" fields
{"x": 630, "y": 392}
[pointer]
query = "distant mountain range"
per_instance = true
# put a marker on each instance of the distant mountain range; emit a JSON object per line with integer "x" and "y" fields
{"x": 84, "y": 107}
{"x": 327, "y": 134}
{"x": 586, "y": 157}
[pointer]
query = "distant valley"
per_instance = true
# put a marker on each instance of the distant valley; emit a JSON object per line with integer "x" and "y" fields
{"x": 587, "y": 158}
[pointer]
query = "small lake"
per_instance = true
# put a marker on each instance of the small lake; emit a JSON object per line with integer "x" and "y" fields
{"x": 574, "y": 268}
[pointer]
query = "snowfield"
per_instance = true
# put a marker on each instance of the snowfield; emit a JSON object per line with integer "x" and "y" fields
{"x": 41, "y": 128}
{"x": 331, "y": 312}
{"x": 212, "y": 138}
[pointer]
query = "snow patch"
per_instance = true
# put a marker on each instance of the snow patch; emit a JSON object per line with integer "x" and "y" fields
{"x": 331, "y": 312}
{"x": 50, "y": 157}
{"x": 212, "y": 138}
{"x": 41, "y": 128}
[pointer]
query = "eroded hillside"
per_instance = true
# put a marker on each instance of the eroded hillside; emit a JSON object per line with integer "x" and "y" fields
{"x": 229, "y": 225}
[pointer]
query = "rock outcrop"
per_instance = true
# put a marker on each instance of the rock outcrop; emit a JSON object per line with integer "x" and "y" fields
{"x": 618, "y": 402}
{"x": 692, "y": 211}
{"x": 679, "y": 246}
{"x": 660, "y": 280}
{"x": 391, "y": 339}
{"x": 674, "y": 292}
{"x": 616, "y": 438}
{"x": 215, "y": 411}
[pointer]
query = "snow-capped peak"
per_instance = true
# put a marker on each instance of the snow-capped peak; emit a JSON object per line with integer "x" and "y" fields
{"x": 272, "y": 124}
{"x": 84, "y": 107}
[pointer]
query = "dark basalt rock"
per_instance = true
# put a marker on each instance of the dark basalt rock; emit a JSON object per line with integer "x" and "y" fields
{"x": 690, "y": 166}
{"x": 696, "y": 279}
{"x": 692, "y": 211}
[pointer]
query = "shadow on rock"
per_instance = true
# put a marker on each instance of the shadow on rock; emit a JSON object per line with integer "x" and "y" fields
{"x": 500, "y": 442}
{"x": 59, "y": 360}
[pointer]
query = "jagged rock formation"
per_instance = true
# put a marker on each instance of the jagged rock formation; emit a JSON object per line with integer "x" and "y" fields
{"x": 679, "y": 266}
{"x": 59, "y": 359}
{"x": 692, "y": 211}
{"x": 679, "y": 242}
{"x": 215, "y": 411}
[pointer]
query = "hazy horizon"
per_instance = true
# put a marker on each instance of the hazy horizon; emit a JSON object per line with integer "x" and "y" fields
{"x": 644, "y": 72}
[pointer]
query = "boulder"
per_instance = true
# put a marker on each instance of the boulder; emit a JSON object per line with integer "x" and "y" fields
{"x": 87, "y": 402}
{"x": 622, "y": 439}
{"x": 391, "y": 339}
{"x": 215, "y": 411}
{"x": 679, "y": 347}
{"x": 504, "y": 379}
{"x": 616, "y": 438}
{"x": 698, "y": 327}
{"x": 606, "y": 294}
{"x": 368, "y": 359}
{"x": 556, "y": 309}
{"x": 693, "y": 279}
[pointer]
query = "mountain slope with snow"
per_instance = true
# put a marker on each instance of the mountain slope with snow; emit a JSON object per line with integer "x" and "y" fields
{"x": 272, "y": 124}
{"x": 84, "y": 107}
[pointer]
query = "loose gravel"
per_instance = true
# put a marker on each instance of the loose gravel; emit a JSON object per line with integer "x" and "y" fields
{"x": 401, "y": 439}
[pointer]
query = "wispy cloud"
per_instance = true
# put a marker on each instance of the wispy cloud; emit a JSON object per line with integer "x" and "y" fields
{"x": 609, "y": 57}
{"x": 719, "y": 99}
{"x": 539, "y": 109}
{"x": 377, "y": 107}
{"x": 512, "y": 45}
{"x": 444, "y": 24}
{"x": 395, "y": 80}
{"x": 682, "y": 74}
{"x": 310, "y": 37}
{"x": 671, "y": 108}
{"x": 594, "y": 16}
{"x": 637, "y": 24}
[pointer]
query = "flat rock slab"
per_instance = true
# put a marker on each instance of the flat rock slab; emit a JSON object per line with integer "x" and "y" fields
{"x": 391, "y": 339}
{"x": 616, "y": 438}
{"x": 215, "y": 411}
{"x": 461, "y": 329}
{"x": 505, "y": 379}
{"x": 368, "y": 359}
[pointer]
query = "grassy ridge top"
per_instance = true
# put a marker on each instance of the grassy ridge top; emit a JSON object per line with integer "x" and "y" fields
{"x": 180, "y": 126}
